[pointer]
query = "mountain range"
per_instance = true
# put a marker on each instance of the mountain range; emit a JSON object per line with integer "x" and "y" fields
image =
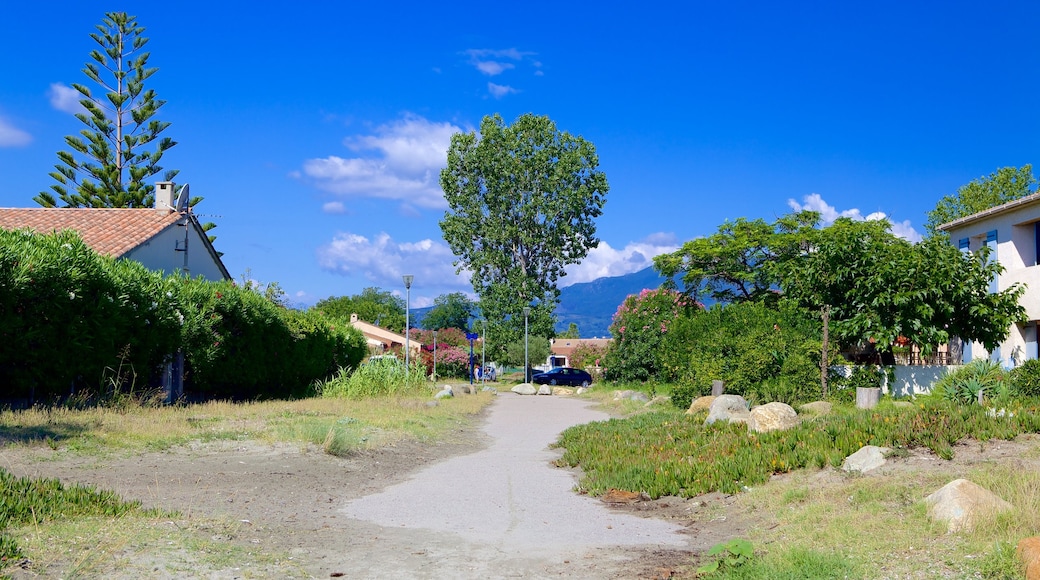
{"x": 591, "y": 305}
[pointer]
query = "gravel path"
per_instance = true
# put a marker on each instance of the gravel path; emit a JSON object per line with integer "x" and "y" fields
{"x": 506, "y": 511}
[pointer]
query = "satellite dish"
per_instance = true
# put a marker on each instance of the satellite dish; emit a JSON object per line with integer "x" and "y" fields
{"x": 182, "y": 199}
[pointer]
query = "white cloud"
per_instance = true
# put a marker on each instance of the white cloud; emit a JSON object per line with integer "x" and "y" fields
{"x": 65, "y": 98}
{"x": 499, "y": 91}
{"x": 401, "y": 161}
{"x": 605, "y": 261}
{"x": 829, "y": 213}
{"x": 493, "y": 67}
{"x": 11, "y": 136}
{"x": 334, "y": 207}
{"x": 383, "y": 260}
{"x": 493, "y": 62}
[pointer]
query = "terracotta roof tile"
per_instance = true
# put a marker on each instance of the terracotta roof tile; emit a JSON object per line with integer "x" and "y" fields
{"x": 113, "y": 232}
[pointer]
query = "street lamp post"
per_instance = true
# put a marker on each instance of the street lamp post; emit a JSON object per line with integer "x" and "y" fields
{"x": 435, "y": 355}
{"x": 527, "y": 312}
{"x": 407, "y": 321}
{"x": 483, "y": 359}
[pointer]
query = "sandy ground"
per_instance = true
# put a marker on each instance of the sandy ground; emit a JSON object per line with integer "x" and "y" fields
{"x": 488, "y": 503}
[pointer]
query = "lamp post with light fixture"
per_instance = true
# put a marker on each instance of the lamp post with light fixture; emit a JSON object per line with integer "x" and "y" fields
{"x": 527, "y": 367}
{"x": 407, "y": 321}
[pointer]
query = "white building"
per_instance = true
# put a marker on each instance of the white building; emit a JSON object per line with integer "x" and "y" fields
{"x": 1012, "y": 231}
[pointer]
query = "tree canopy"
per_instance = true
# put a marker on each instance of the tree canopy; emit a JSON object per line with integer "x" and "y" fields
{"x": 375, "y": 306}
{"x": 449, "y": 311}
{"x": 1004, "y": 185}
{"x": 523, "y": 199}
{"x": 735, "y": 264}
{"x": 880, "y": 287}
{"x": 108, "y": 164}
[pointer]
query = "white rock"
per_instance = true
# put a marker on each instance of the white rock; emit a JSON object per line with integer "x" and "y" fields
{"x": 867, "y": 458}
{"x": 524, "y": 389}
{"x": 544, "y": 390}
{"x": 732, "y": 408}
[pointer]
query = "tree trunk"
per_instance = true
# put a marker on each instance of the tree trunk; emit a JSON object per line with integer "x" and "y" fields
{"x": 825, "y": 313}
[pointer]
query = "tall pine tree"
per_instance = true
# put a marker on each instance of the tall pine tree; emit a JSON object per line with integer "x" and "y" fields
{"x": 111, "y": 160}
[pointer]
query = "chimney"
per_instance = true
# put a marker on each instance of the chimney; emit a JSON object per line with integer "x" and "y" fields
{"x": 165, "y": 196}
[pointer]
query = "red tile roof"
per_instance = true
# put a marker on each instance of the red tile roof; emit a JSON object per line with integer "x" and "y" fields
{"x": 113, "y": 232}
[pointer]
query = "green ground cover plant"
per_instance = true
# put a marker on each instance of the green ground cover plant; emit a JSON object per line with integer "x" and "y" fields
{"x": 666, "y": 452}
{"x": 25, "y": 501}
{"x": 386, "y": 377}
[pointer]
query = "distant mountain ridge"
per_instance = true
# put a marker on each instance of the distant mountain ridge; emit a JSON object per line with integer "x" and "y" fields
{"x": 590, "y": 305}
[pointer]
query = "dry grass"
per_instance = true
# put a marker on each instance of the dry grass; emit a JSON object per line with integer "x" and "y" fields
{"x": 339, "y": 425}
{"x": 880, "y": 522}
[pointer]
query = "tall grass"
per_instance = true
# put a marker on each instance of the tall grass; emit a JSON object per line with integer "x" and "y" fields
{"x": 381, "y": 378}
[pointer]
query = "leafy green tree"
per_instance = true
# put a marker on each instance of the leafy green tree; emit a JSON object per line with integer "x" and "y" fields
{"x": 1004, "y": 185}
{"x": 734, "y": 264}
{"x": 449, "y": 311}
{"x": 109, "y": 164}
{"x": 538, "y": 349}
{"x": 375, "y": 306}
{"x": 879, "y": 288}
{"x": 522, "y": 205}
{"x": 572, "y": 331}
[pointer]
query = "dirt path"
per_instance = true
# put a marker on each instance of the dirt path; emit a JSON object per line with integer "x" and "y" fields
{"x": 487, "y": 504}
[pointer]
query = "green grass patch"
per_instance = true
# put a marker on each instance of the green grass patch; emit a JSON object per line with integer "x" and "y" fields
{"x": 666, "y": 452}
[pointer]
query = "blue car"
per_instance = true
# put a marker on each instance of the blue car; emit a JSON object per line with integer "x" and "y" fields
{"x": 563, "y": 376}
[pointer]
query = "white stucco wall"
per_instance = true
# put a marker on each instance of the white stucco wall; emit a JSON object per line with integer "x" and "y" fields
{"x": 1016, "y": 251}
{"x": 160, "y": 253}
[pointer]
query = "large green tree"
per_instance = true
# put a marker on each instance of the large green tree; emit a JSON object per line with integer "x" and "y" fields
{"x": 522, "y": 199}
{"x": 449, "y": 311}
{"x": 879, "y": 287}
{"x": 735, "y": 263}
{"x": 373, "y": 305}
{"x": 112, "y": 159}
{"x": 1004, "y": 185}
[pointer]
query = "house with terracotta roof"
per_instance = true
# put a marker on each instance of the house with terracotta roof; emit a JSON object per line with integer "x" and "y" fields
{"x": 562, "y": 349}
{"x": 381, "y": 340}
{"x": 161, "y": 238}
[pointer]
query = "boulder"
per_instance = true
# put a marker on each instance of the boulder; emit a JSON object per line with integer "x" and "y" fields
{"x": 445, "y": 393}
{"x": 961, "y": 504}
{"x": 816, "y": 408}
{"x": 867, "y": 458}
{"x": 631, "y": 396}
{"x": 700, "y": 404}
{"x": 524, "y": 389}
{"x": 581, "y": 390}
{"x": 1029, "y": 555}
{"x": 491, "y": 390}
{"x": 772, "y": 417}
{"x": 732, "y": 408}
{"x": 562, "y": 391}
{"x": 545, "y": 390}
{"x": 463, "y": 389}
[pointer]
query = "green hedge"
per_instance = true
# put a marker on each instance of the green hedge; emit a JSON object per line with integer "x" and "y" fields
{"x": 69, "y": 319}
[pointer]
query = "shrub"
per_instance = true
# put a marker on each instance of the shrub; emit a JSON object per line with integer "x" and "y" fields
{"x": 964, "y": 384}
{"x": 377, "y": 378}
{"x": 1025, "y": 379}
{"x": 639, "y": 328}
{"x": 588, "y": 355}
{"x": 764, "y": 353}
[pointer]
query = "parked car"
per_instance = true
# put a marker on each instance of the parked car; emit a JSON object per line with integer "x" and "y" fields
{"x": 563, "y": 376}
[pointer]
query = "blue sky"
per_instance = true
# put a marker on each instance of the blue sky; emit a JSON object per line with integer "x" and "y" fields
{"x": 316, "y": 133}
